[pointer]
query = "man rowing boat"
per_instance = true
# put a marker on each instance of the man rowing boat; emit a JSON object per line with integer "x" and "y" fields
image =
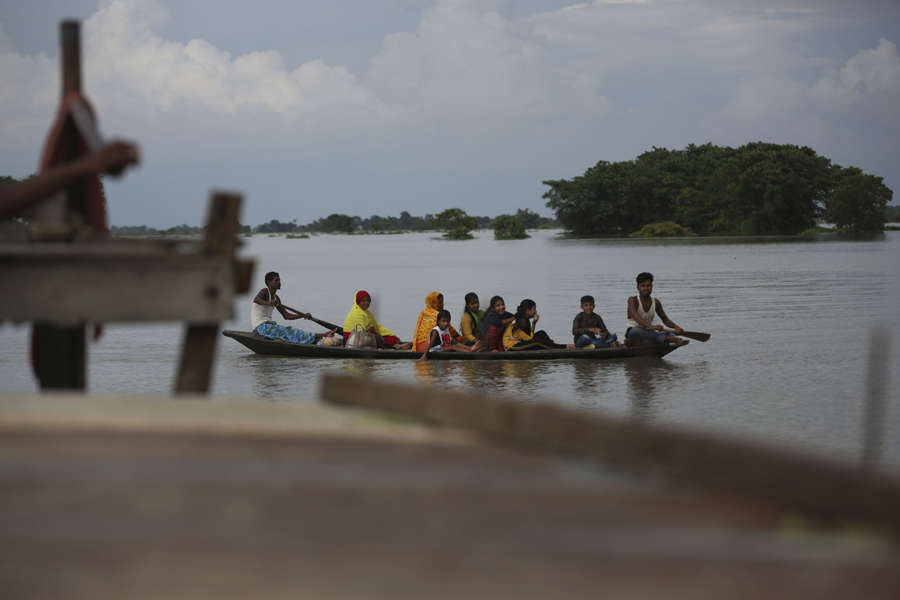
{"x": 261, "y": 316}
{"x": 642, "y": 310}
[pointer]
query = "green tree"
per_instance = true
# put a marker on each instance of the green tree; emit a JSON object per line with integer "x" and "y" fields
{"x": 892, "y": 214}
{"x": 509, "y": 227}
{"x": 662, "y": 229}
{"x": 455, "y": 224}
{"x": 275, "y": 226}
{"x": 528, "y": 218}
{"x": 757, "y": 188}
{"x": 335, "y": 223}
{"x": 858, "y": 202}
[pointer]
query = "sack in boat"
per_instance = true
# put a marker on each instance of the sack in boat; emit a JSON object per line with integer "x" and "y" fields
{"x": 359, "y": 338}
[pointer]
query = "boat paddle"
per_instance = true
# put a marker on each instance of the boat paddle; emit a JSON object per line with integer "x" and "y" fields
{"x": 325, "y": 324}
{"x": 694, "y": 335}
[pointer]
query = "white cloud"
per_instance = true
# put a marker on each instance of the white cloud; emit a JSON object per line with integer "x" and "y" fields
{"x": 874, "y": 72}
{"x": 869, "y": 79}
{"x": 128, "y": 61}
{"x": 462, "y": 61}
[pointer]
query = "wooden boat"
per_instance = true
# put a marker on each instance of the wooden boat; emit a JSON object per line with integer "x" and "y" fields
{"x": 263, "y": 345}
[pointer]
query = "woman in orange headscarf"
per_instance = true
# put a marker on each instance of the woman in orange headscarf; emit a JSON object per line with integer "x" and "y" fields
{"x": 427, "y": 320}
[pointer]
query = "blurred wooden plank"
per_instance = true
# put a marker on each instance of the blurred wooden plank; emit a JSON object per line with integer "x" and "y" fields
{"x": 154, "y": 497}
{"x": 199, "y": 347}
{"x": 790, "y": 480}
{"x": 68, "y": 288}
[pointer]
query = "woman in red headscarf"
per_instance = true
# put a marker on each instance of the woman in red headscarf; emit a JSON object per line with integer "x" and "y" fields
{"x": 359, "y": 316}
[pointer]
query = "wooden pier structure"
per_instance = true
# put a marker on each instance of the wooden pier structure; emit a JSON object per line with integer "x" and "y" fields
{"x": 69, "y": 273}
{"x": 212, "y": 498}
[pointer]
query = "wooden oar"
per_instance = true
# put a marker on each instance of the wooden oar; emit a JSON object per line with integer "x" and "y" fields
{"x": 325, "y": 324}
{"x": 694, "y": 335}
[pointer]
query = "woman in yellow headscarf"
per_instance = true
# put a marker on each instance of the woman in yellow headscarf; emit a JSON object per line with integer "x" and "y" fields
{"x": 360, "y": 316}
{"x": 427, "y": 320}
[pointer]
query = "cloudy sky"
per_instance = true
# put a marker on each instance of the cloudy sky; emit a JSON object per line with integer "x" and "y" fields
{"x": 378, "y": 106}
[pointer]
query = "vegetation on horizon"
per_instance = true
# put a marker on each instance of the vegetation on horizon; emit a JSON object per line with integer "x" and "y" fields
{"x": 663, "y": 229}
{"x": 892, "y": 214}
{"x": 454, "y": 222}
{"x": 759, "y": 188}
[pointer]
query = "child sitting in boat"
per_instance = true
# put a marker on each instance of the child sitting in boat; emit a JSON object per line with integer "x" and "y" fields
{"x": 588, "y": 329}
{"x": 520, "y": 334}
{"x": 494, "y": 322}
{"x": 434, "y": 303}
{"x": 642, "y": 311}
{"x": 442, "y": 340}
{"x": 261, "y": 315}
{"x": 471, "y": 319}
{"x": 359, "y": 316}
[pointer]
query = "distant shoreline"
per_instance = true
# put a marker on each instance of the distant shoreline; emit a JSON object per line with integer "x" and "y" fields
{"x": 820, "y": 234}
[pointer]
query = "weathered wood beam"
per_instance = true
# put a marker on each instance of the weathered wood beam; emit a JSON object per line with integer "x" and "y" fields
{"x": 200, "y": 338}
{"x": 70, "y": 40}
{"x": 795, "y": 482}
{"x": 67, "y": 285}
{"x": 59, "y": 354}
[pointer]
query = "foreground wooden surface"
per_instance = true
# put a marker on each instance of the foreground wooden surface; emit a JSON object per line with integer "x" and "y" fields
{"x": 150, "y": 498}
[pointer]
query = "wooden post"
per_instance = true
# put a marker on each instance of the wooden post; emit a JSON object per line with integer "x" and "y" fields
{"x": 60, "y": 352}
{"x": 71, "y": 56}
{"x": 875, "y": 401}
{"x": 199, "y": 346}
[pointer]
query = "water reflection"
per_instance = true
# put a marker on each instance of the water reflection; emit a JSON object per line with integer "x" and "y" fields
{"x": 359, "y": 367}
{"x": 523, "y": 377}
{"x": 432, "y": 372}
{"x": 646, "y": 378}
{"x": 269, "y": 380}
{"x": 592, "y": 381}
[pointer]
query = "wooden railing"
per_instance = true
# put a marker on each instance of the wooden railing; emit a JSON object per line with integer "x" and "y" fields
{"x": 66, "y": 276}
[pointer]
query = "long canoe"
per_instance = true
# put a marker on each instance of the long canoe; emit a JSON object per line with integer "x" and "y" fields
{"x": 263, "y": 345}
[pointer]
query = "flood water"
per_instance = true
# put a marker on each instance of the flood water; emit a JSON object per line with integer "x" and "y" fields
{"x": 787, "y": 362}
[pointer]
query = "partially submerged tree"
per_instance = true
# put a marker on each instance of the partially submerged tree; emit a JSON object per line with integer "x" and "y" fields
{"x": 858, "y": 202}
{"x": 662, "y": 229}
{"x": 759, "y": 188}
{"x": 455, "y": 224}
{"x": 509, "y": 227}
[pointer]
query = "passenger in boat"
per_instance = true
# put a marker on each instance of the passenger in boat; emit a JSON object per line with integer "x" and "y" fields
{"x": 520, "y": 334}
{"x": 434, "y": 303}
{"x": 492, "y": 325}
{"x": 332, "y": 340}
{"x": 642, "y": 311}
{"x": 359, "y": 316}
{"x": 588, "y": 329}
{"x": 441, "y": 338}
{"x": 471, "y": 319}
{"x": 261, "y": 315}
